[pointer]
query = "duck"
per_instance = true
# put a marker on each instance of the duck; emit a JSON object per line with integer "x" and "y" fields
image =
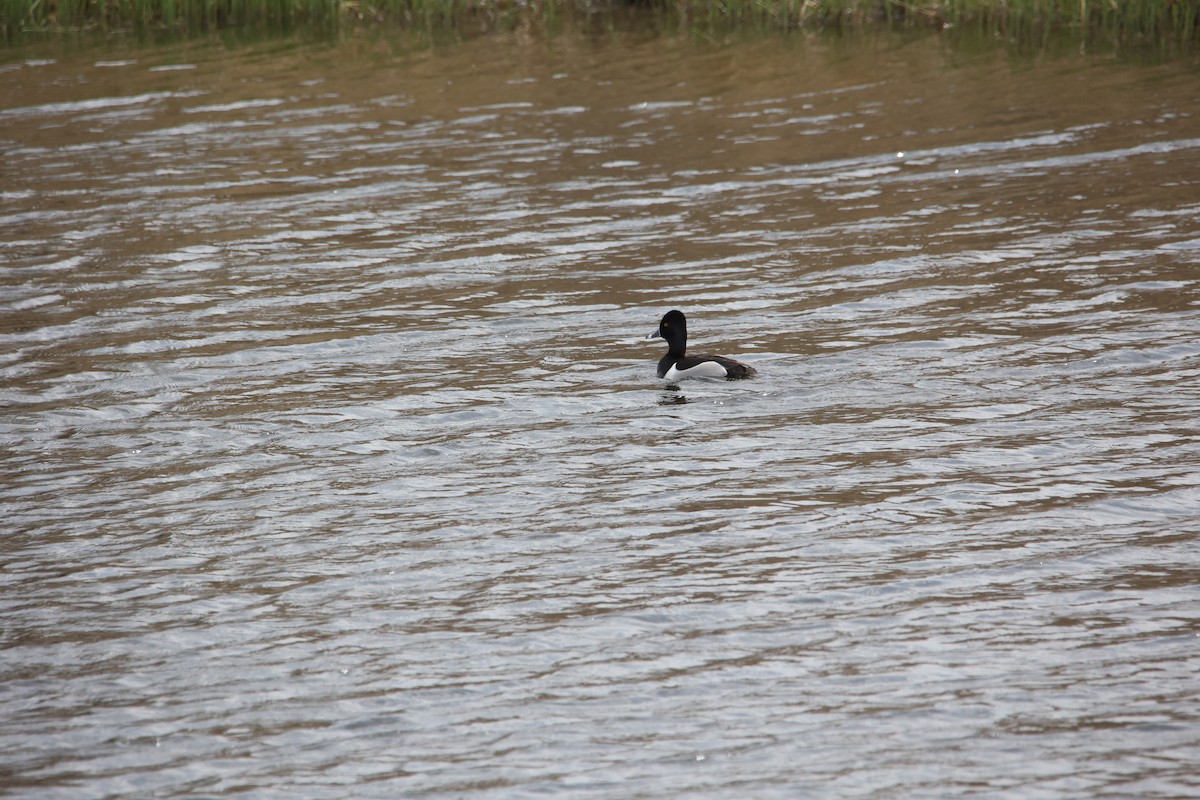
{"x": 676, "y": 365}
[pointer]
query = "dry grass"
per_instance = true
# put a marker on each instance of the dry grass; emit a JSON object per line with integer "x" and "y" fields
{"x": 1174, "y": 20}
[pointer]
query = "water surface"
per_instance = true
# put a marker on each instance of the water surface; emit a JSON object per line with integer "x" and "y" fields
{"x": 335, "y": 464}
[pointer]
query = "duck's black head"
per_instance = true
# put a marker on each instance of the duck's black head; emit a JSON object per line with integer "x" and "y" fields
{"x": 673, "y": 328}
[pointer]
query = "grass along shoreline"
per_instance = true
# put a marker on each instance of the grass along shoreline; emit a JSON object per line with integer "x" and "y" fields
{"x": 1175, "y": 21}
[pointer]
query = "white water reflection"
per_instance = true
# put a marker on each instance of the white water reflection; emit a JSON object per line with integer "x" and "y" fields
{"x": 336, "y": 463}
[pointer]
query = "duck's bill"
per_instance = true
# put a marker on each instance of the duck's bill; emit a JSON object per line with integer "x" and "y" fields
{"x": 654, "y": 335}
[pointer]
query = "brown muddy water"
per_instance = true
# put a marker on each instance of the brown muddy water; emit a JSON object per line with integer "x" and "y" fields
{"x": 335, "y": 464}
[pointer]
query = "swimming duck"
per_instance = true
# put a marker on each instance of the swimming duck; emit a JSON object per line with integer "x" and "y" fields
{"x": 676, "y": 366}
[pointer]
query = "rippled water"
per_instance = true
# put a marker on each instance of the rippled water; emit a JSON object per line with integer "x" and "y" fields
{"x": 335, "y": 464}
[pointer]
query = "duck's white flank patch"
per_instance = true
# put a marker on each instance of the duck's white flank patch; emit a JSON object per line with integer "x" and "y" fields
{"x": 705, "y": 369}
